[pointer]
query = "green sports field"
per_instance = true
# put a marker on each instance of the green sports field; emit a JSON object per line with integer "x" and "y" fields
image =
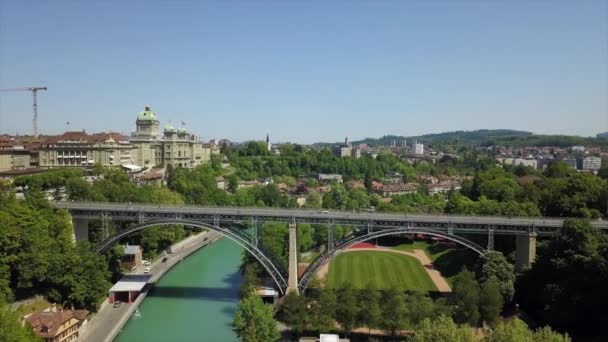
{"x": 384, "y": 269}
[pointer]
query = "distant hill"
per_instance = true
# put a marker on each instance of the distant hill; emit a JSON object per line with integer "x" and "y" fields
{"x": 488, "y": 137}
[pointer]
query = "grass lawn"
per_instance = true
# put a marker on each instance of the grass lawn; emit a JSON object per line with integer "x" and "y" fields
{"x": 385, "y": 270}
{"x": 447, "y": 260}
{"x": 34, "y": 307}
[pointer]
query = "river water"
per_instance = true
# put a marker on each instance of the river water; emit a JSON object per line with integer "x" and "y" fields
{"x": 194, "y": 301}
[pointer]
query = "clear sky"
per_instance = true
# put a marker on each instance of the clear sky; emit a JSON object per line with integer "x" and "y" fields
{"x": 305, "y": 70}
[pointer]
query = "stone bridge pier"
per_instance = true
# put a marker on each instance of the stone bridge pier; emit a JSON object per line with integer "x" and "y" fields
{"x": 292, "y": 280}
{"x": 525, "y": 251}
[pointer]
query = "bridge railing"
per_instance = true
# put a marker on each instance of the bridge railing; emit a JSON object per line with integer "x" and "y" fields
{"x": 336, "y": 214}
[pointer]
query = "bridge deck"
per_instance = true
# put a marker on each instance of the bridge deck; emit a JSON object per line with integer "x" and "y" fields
{"x": 458, "y": 223}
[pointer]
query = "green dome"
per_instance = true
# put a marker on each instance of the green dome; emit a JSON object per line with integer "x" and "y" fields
{"x": 181, "y": 130}
{"x": 147, "y": 115}
{"x": 169, "y": 128}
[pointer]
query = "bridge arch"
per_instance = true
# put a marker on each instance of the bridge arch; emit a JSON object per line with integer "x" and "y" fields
{"x": 239, "y": 239}
{"x": 325, "y": 257}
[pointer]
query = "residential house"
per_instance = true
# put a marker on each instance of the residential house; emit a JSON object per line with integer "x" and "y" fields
{"x": 327, "y": 177}
{"x": 151, "y": 178}
{"x": 393, "y": 177}
{"x": 248, "y": 184}
{"x": 355, "y": 184}
{"x": 132, "y": 256}
{"x": 388, "y": 190}
{"x": 427, "y": 179}
{"x": 58, "y": 326}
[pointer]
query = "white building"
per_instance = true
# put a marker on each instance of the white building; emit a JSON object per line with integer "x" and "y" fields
{"x": 419, "y": 148}
{"x": 518, "y": 161}
{"x": 592, "y": 163}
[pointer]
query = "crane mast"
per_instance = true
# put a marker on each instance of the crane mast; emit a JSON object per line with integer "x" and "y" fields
{"x": 34, "y": 91}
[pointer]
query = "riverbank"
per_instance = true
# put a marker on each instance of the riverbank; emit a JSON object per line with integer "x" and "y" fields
{"x": 108, "y": 321}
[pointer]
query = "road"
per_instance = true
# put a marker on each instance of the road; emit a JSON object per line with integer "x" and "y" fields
{"x": 108, "y": 321}
{"x": 499, "y": 224}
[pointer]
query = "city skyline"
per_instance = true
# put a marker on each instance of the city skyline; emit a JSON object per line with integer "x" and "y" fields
{"x": 331, "y": 70}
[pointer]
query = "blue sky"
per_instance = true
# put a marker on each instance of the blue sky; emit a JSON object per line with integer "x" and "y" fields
{"x": 307, "y": 70}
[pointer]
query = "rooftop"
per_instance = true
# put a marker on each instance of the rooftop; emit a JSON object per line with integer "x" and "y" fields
{"x": 131, "y": 282}
{"x": 147, "y": 115}
{"x": 131, "y": 249}
{"x": 47, "y": 324}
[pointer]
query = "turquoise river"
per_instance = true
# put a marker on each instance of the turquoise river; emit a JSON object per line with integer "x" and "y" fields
{"x": 194, "y": 301}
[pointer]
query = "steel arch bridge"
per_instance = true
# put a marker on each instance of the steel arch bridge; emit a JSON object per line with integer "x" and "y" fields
{"x": 238, "y": 236}
{"x": 366, "y": 226}
{"x": 266, "y": 259}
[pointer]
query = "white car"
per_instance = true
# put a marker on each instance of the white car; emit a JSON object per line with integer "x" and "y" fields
{"x": 323, "y": 211}
{"x": 145, "y": 263}
{"x": 146, "y": 270}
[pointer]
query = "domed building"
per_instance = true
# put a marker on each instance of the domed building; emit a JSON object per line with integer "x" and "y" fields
{"x": 144, "y": 149}
{"x": 147, "y": 124}
{"x": 175, "y": 147}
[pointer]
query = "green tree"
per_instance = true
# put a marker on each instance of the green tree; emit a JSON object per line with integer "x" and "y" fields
{"x": 250, "y": 279}
{"x": 420, "y": 306}
{"x": 490, "y": 301}
{"x": 253, "y": 321}
{"x": 492, "y": 265}
{"x": 325, "y": 310}
{"x": 294, "y": 312}
{"x": 313, "y": 200}
{"x": 465, "y": 298}
{"x": 442, "y": 329}
{"x": 394, "y": 311}
{"x": 347, "y": 309}
{"x": 564, "y": 275}
{"x": 369, "y": 304}
{"x": 274, "y": 237}
{"x": 11, "y": 329}
{"x": 305, "y": 236}
{"x": 515, "y": 330}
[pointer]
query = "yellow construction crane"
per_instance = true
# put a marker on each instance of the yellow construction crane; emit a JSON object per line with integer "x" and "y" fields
{"x": 34, "y": 90}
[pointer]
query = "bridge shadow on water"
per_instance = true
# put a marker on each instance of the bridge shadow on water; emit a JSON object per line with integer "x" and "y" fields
{"x": 227, "y": 293}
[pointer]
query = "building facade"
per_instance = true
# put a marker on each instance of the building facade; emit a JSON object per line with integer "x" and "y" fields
{"x": 59, "y": 326}
{"x": 80, "y": 149}
{"x": 144, "y": 149}
{"x": 13, "y": 157}
{"x": 591, "y": 163}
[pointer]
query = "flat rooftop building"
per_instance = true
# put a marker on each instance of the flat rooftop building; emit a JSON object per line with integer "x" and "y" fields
{"x": 128, "y": 288}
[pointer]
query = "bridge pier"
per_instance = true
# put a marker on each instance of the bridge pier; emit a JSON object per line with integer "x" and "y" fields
{"x": 525, "y": 251}
{"x": 292, "y": 281}
{"x": 80, "y": 229}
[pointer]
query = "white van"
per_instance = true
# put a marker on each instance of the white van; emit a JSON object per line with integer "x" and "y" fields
{"x": 146, "y": 270}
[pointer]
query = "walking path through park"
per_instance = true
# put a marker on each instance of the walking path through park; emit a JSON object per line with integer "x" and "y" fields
{"x": 440, "y": 283}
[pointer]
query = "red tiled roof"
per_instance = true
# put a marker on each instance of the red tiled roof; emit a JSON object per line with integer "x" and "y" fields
{"x": 355, "y": 184}
{"x": 46, "y": 324}
{"x": 84, "y": 137}
{"x": 151, "y": 175}
{"x": 400, "y": 187}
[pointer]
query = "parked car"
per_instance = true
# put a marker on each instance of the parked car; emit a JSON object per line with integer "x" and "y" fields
{"x": 146, "y": 270}
{"x": 116, "y": 304}
{"x": 145, "y": 262}
{"x": 323, "y": 211}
